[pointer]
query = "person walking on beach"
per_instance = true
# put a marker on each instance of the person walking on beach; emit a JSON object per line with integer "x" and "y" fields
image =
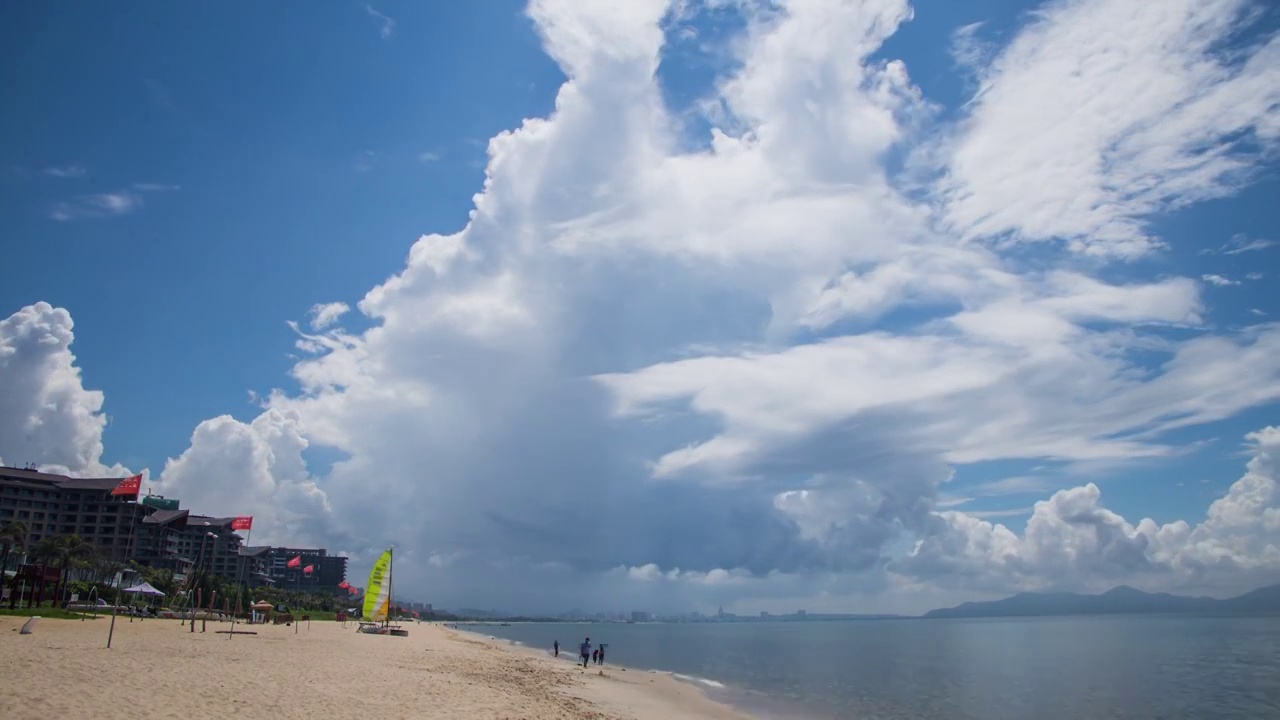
{"x": 595, "y": 657}
{"x": 557, "y": 647}
{"x": 585, "y": 651}
{"x": 600, "y": 658}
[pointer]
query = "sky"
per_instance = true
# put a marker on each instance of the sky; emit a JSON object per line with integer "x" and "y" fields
{"x": 850, "y": 306}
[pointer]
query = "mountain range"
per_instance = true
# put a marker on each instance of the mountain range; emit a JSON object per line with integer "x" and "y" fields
{"x": 1117, "y": 601}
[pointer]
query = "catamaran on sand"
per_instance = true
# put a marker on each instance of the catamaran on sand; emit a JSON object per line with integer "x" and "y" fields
{"x": 377, "y": 601}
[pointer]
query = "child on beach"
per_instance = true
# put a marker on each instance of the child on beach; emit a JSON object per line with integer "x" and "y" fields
{"x": 557, "y": 647}
{"x": 585, "y": 651}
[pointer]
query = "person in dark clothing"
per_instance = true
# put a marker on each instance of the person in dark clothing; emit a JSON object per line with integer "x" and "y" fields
{"x": 595, "y": 657}
{"x": 600, "y": 659}
{"x": 585, "y": 651}
{"x": 557, "y": 646}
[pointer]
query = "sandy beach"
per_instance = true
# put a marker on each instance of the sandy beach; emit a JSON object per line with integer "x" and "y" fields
{"x": 157, "y": 669}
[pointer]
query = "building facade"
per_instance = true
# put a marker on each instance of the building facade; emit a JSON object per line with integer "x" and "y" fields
{"x": 153, "y": 531}
{"x": 272, "y": 566}
{"x": 51, "y": 505}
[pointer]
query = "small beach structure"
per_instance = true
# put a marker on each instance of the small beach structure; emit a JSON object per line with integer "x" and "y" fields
{"x": 144, "y": 588}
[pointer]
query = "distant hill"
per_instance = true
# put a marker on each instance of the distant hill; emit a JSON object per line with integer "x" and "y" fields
{"x": 1117, "y": 601}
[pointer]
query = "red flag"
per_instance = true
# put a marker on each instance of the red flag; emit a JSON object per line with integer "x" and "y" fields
{"x": 344, "y": 585}
{"x": 309, "y": 569}
{"x": 294, "y": 562}
{"x": 242, "y": 522}
{"x": 128, "y": 486}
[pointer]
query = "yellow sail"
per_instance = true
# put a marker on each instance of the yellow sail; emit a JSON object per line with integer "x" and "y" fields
{"x": 377, "y": 597}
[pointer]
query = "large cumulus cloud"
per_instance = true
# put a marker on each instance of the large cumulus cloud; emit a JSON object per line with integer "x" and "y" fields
{"x": 677, "y": 372}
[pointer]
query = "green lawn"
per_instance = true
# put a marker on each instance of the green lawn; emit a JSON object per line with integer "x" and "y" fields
{"x": 53, "y": 613}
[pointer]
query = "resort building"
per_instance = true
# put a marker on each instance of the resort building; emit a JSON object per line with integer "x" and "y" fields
{"x": 153, "y": 531}
{"x": 51, "y": 505}
{"x": 327, "y": 571}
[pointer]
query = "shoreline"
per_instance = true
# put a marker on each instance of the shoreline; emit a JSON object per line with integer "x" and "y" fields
{"x": 686, "y": 691}
{"x": 158, "y": 668}
{"x": 721, "y": 697}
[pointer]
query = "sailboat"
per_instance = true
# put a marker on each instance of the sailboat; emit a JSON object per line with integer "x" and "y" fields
{"x": 377, "y": 600}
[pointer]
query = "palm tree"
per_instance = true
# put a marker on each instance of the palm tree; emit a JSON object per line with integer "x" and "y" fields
{"x": 62, "y": 550}
{"x": 13, "y": 535}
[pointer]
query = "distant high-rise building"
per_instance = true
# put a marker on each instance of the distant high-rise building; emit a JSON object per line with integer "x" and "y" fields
{"x": 801, "y": 613}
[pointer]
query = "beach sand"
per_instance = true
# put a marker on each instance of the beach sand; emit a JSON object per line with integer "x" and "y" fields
{"x": 157, "y": 669}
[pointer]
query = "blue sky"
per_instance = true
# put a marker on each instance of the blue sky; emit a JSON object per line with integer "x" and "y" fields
{"x": 186, "y": 180}
{"x": 264, "y": 127}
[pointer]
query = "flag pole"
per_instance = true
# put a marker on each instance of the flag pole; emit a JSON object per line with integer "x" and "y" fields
{"x": 248, "y": 534}
{"x": 128, "y": 551}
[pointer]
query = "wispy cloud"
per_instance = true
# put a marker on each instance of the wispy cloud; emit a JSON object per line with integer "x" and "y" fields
{"x": 1016, "y": 485}
{"x": 66, "y": 172}
{"x": 1219, "y": 280}
{"x": 1253, "y": 276}
{"x": 364, "y": 161}
{"x": 325, "y": 314}
{"x": 154, "y": 187}
{"x": 967, "y": 50}
{"x": 1118, "y": 111}
{"x": 1241, "y": 243}
{"x": 97, "y": 205}
{"x": 426, "y": 158}
{"x": 105, "y": 205}
{"x": 386, "y": 25}
{"x": 1012, "y": 512}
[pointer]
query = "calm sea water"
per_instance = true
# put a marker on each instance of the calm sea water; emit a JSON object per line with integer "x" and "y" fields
{"x": 1043, "y": 668}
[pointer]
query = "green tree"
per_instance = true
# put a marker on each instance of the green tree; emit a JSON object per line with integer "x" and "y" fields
{"x": 62, "y": 551}
{"x": 13, "y": 535}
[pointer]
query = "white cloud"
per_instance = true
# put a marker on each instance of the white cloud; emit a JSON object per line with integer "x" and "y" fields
{"x": 364, "y": 161}
{"x": 256, "y": 468}
{"x": 746, "y": 369}
{"x": 1072, "y": 541}
{"x": 97, "y": 205}
{"x": 1241, "y": 243}
{"x": 1101, "y": 113}
{"x": 386, "y": 25}
{"x": 65, "y": 172}
{"x": 1016, "y": 485}
{"x": 1219, "y": 280}
{"x": 968, "y": 51}
{"x": 46, "y": 415}
{"x": 428, "y": 157}
{"x": 325, "y": 314}
{"x": 1010, "y": 512}
{"x": 104, "y": 205}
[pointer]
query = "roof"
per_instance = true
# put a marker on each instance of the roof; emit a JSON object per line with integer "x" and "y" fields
{"x": 63, "y": 482}
{"x": 103, "y": 484}
{"x": 209, "y": 522}
{"x": 164, "y": 517}
{"x": 254, "y": 551}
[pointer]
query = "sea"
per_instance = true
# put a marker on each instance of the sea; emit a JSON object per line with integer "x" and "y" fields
{"x": 1060, "y": 668}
